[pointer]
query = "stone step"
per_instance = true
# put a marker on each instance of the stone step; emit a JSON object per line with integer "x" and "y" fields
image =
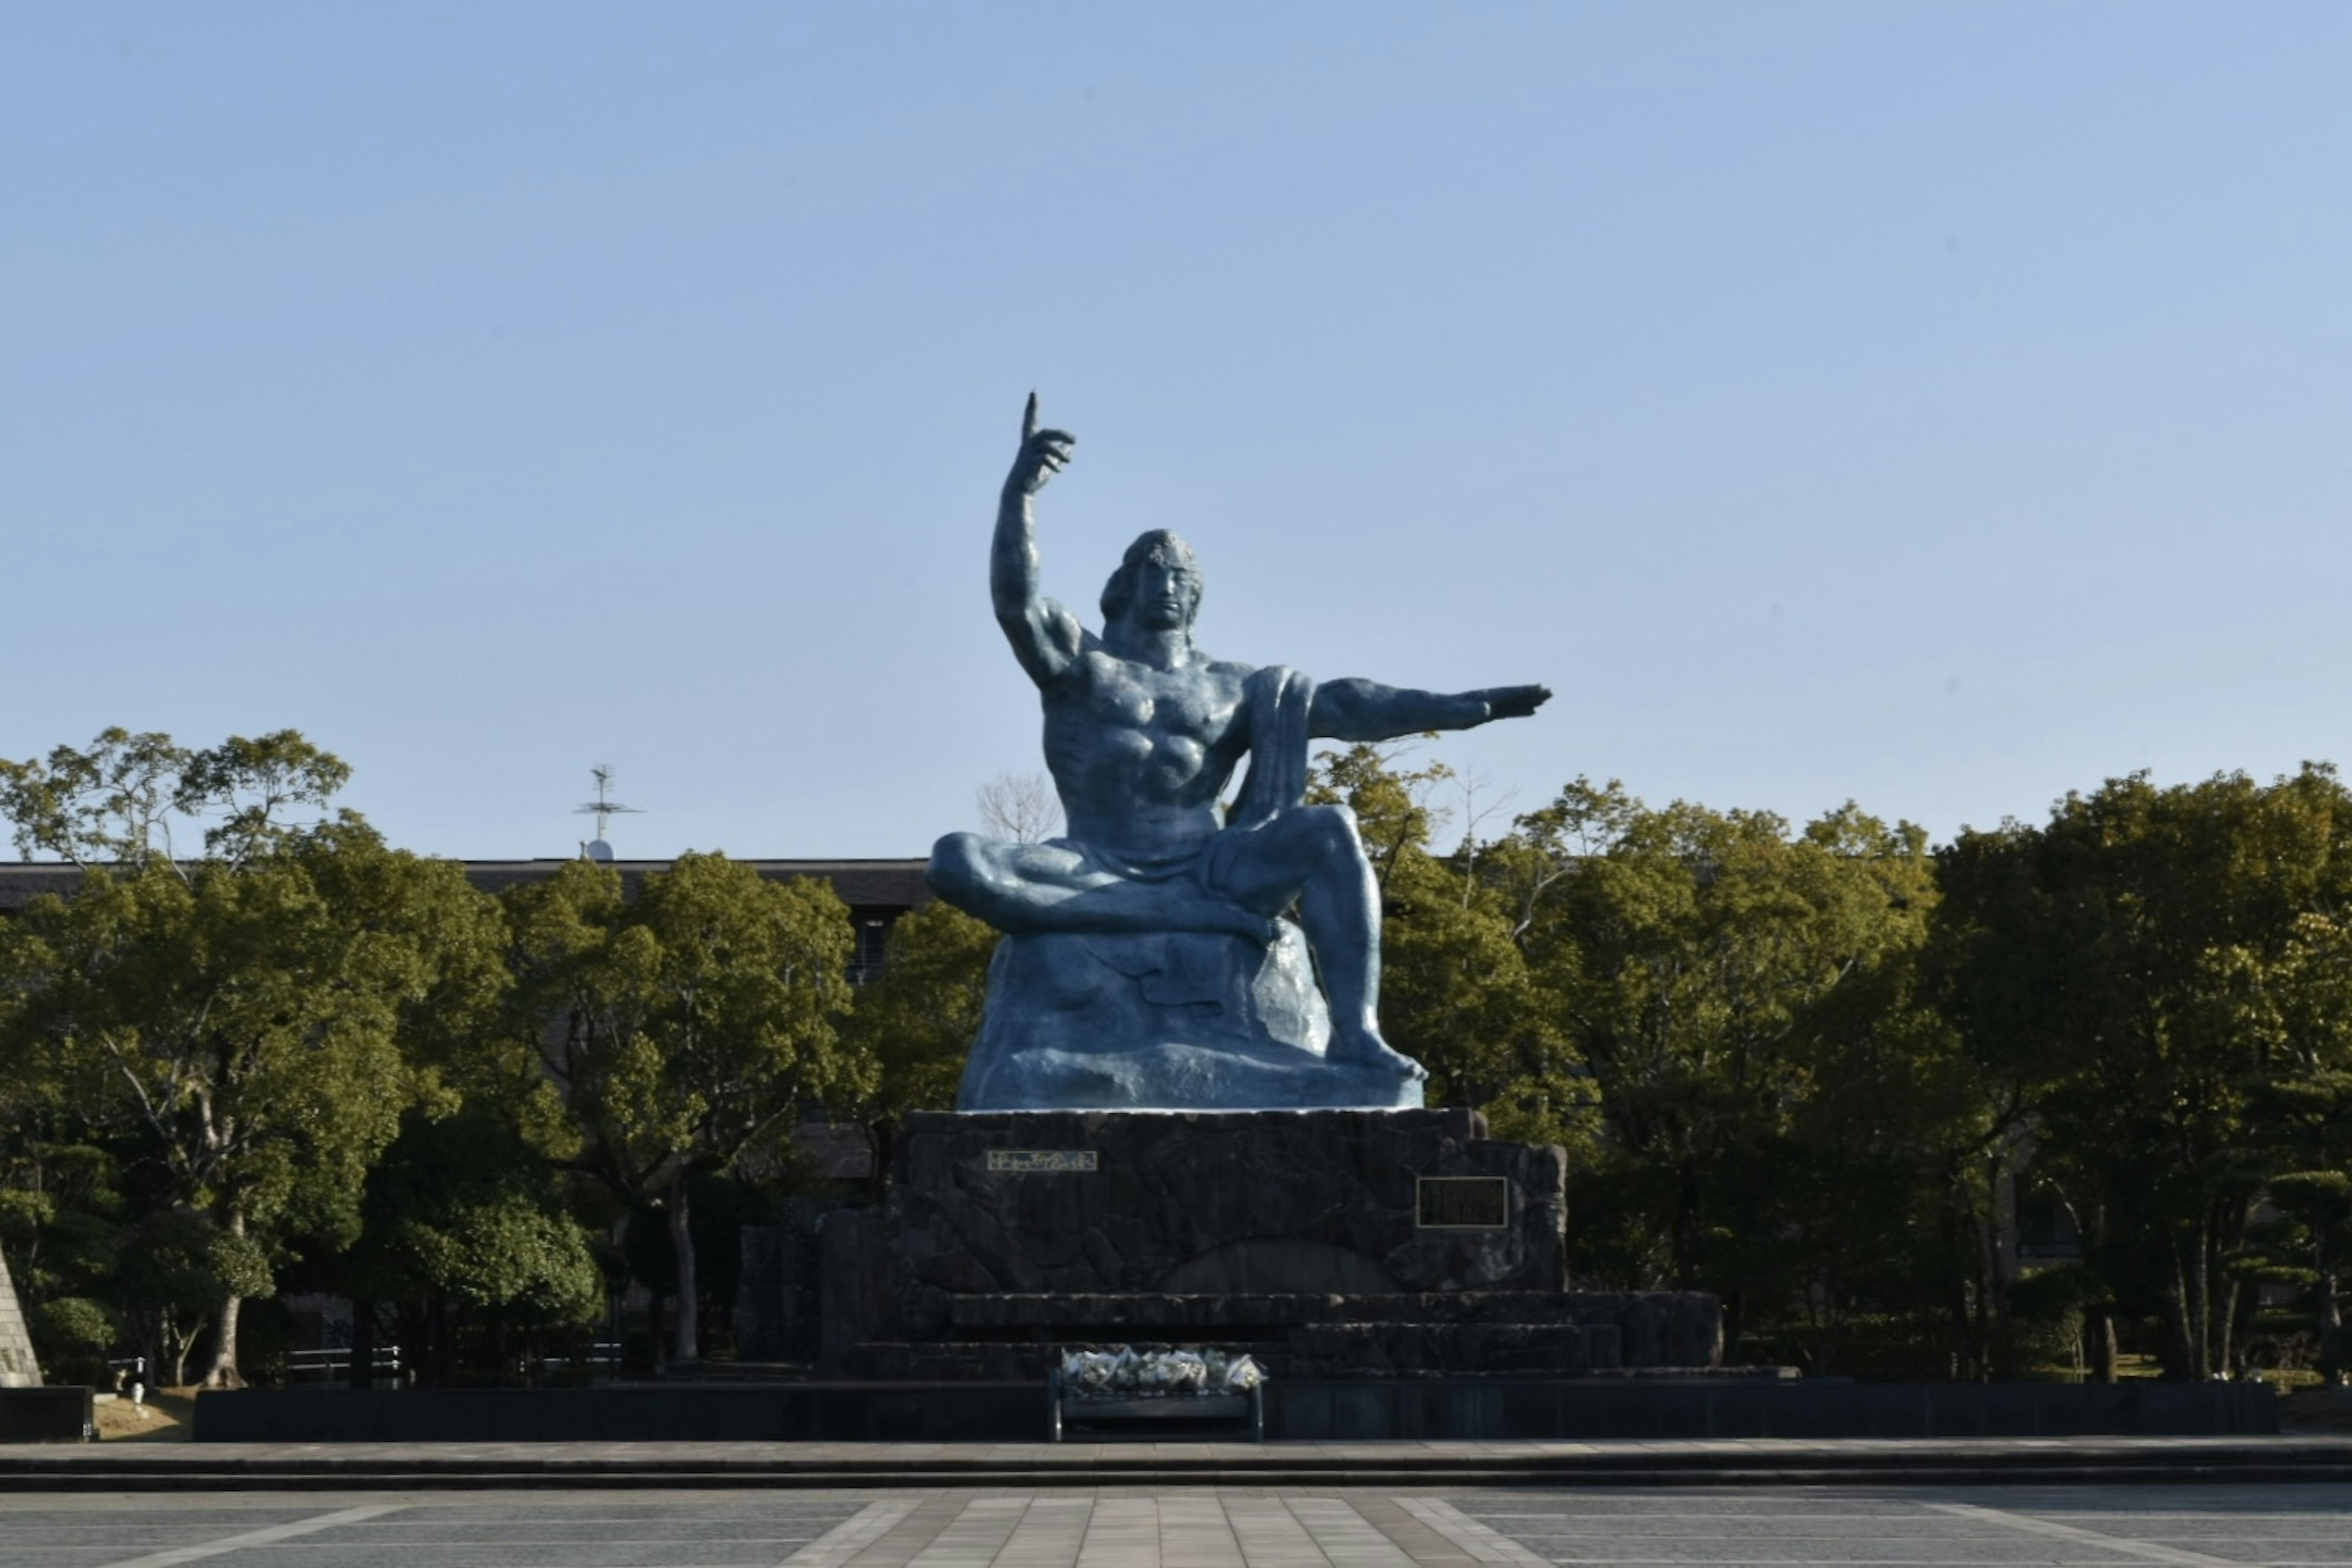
{"x": 1387, "y": 1349}
{"x": 1306, "y": 1350}
{"x": 1145, "y": 1309}
{"x": 1654, "y": 1328}
{"x": 1008, "y": 1360}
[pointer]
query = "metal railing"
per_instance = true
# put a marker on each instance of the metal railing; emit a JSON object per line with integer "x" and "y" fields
{"x": 334, "y": 1362}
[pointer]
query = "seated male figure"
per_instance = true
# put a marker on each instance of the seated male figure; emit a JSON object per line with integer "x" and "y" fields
{"x": 1143, "y": 734}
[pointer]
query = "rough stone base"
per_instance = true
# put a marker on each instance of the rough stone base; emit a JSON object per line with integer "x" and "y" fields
{"x": 1180, "y": 1020}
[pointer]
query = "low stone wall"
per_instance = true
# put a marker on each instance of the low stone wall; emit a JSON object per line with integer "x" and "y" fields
{"x": 1739, "y": 1407}
{"x": 1297, "y": 1409}
{"x": 746, "y": 1412}
{"x": 60, "y": 1414}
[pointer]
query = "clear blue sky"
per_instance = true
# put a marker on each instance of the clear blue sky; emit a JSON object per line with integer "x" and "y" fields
{"x": 1939, "y": 406}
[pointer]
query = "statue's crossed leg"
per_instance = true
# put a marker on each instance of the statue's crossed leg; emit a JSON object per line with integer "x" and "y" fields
{"x": 1238, "y": 883}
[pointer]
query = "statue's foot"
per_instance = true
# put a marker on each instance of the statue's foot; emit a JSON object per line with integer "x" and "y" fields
{"x": 1363, "y": 1049}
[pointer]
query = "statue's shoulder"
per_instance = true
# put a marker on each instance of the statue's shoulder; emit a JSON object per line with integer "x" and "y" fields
{"x": 1085, "y": 654}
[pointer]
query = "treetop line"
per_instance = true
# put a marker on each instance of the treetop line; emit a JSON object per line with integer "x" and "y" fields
{"x": 2050, "y": 1095}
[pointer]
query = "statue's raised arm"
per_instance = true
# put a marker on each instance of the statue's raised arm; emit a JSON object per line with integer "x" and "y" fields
{"x": 1046, "y": 637}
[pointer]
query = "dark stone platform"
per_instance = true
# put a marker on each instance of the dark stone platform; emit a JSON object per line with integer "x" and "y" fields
{"x": 1326, "y": 1244}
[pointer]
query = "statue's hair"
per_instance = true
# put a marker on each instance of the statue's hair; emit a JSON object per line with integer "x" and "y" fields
{"x": 1164, "y": 543}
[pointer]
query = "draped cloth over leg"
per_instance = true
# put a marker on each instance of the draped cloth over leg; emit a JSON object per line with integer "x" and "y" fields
{"x": 1280, "y": 700}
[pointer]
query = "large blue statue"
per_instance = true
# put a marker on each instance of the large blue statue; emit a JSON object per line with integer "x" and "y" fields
{"x": 1147, "y": 962}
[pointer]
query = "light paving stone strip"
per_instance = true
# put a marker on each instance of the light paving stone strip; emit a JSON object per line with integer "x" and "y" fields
{"x": 2147, "y": 1551}
{"x": 975, "y": 1537}
{"x": 1345, "y": 1536}
{"x": 1483, "y": 1543}
{"x": 269, "y": 1536}
{"x": 1050, "y": 1533}
{"x": 1180, "y": 1531}
{"x": 1195, "y": 1533}
{"x": 923, "y": 1524}
{"x": 1412, "y": 1535}
{"x": 1120, "y": 1533}
{"x": 1271, "y": 1536}
{"x": 853, "y": 1535}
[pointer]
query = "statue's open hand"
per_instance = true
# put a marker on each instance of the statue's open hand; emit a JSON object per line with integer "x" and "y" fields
{"x": 1513, "y": 702}
{"x": 1043, "y": 454}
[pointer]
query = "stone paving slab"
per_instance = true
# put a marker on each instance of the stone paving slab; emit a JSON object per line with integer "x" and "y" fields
{"x": 2238, "y": 1526}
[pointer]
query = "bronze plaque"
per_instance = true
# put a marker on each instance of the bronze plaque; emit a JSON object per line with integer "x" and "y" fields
{"x": 1463, "y": 1202}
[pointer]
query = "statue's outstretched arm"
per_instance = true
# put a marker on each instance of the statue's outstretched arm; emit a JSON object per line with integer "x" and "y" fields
{"x": 1046, "y": 637}
{"x": 1367, "y": 710}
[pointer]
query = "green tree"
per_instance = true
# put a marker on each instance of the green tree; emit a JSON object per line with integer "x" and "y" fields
{"x": 916, "y": 1021}
{"x": 175, "y": 1269}
{"x": 1701, "y": 963}
{"x": 687, "y": 1026}
{"x": 2302, "y": 1102}
{"x": 245, "y": 1011}
{"x": 71, "y": 1335}
{"x": 2132, "y": 964}
{"x": 465, "y": 1221}
{"x": 61, "y": 1191}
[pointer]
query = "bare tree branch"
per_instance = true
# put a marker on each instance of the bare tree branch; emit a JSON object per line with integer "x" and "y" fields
{"x": 1022, "y": 808}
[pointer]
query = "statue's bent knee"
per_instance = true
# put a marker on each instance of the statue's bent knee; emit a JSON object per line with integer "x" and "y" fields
{"x": 958, "y": 866}
{"x": 1331, "y": 829}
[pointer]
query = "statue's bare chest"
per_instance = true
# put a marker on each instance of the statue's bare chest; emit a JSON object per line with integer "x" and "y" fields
{"x": 1200, "y": 704}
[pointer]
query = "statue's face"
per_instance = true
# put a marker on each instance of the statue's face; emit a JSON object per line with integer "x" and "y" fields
{"x": 1167, "y": 591}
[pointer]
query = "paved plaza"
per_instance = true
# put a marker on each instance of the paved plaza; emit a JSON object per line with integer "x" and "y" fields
{"x": 1186, "y": 1528}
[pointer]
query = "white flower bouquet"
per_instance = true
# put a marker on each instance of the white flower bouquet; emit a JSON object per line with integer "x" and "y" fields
{"x": 1129, "y": 1373}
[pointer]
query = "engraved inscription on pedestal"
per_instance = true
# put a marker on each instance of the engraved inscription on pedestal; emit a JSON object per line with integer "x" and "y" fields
{"x": 1043, "y": 1160}
{"x": 1463, "y": 1203}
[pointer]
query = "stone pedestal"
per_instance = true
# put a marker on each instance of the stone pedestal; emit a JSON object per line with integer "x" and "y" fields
{"x": 1218, "y": 1202}
{"x": 1327, "y": 1243}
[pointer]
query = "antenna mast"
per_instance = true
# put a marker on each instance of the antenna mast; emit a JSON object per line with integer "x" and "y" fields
{"x": 601, "y": 807}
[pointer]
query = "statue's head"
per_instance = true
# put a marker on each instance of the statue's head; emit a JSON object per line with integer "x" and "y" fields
{"x": 1159, "y": 579}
